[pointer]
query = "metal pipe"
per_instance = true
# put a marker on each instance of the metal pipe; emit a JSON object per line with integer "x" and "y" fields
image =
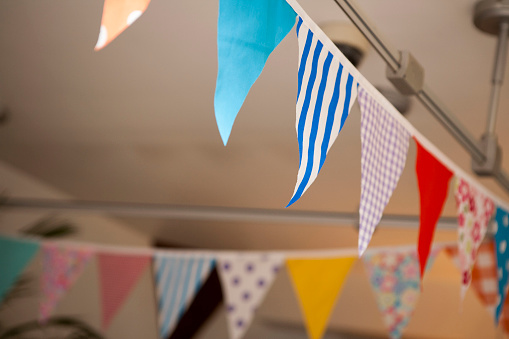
{"x": 388, "y": 53}
{"x": 207, "y": 213}
{"x": 453, "y": 125}
{"x": 498, "y": 76}
{"x": 426, "y": 95}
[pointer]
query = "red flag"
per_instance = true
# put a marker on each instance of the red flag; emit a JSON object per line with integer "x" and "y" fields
{"x": 433, "y": 179}
{"x": 118, "y": 274}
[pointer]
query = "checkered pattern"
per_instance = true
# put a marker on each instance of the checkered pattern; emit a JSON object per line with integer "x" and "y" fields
{"x": 384, "y": 148}
{"x": 484, "y": 274}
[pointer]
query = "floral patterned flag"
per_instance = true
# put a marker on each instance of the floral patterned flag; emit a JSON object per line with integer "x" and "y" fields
{"x": 246, "y": 279}
{"x": 394, "y": 277}
{"x": 433, "y": 179}
{"x": 117, "y": 16}
{"x": 474, "y": 213}
{"x": 484, "y": 273}
{"x": 61, "y": 268}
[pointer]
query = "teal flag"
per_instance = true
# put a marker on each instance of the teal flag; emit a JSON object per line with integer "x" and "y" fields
{"x": 14, "y": 257}
{"x": 247, "y": 32}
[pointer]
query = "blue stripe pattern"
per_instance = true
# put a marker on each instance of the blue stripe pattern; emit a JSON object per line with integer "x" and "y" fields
{"x": 178, "y": 278}
{"x": 325, "y": 94}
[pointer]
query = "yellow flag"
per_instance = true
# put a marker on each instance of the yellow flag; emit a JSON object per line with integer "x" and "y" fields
{"x": 317, "y": 283}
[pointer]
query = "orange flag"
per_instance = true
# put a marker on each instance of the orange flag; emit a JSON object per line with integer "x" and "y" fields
{"x": 117, "y": 16}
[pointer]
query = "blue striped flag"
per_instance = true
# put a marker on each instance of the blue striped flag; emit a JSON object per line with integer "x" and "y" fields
{"x": 178, "y": 278}
{"x": 326, "y": 92}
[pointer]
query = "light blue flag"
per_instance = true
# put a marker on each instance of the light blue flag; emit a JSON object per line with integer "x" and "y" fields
{"x": 247, "y": 32}
{"x": 502, "y": 255}
{"x": 14, "y": 257}
{"x": 178, "y": 278}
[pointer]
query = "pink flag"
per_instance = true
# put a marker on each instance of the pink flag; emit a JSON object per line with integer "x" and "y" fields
{"x": 61, "y": 267}
{"x": 118, "y": 273}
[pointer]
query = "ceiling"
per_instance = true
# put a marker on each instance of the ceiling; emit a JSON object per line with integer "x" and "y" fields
{"x": 134, "y": 122}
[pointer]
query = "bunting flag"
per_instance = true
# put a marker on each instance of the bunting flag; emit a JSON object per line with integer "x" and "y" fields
{"x": 325, "y": 94}
{"x": 178, "y": 278}
{"x": 247, "y": 33}
{"x": 117, "y": 16}
{"x": 15, "y": 254}
{"x": 318, "y": 283}
{"x": 474, "y": 213}
{"x": 245, "y": 279}
{"x": 504, "y": 317}
{"x": 433, "y": 179}
{"x": 501, "y": 238}
{"x": 484, "y": 274}
{"x": 118, "y": 274}
{"x": 384, "y": 149}
{"x": 395, "y": 280}
{"x": 61, "y": 267}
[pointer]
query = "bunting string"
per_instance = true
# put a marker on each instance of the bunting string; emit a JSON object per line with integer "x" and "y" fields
{"x": 328, "y": 85}
{"x": 367, "y": 86}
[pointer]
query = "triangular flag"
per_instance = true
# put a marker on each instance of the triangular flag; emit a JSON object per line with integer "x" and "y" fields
{"x": 484, "y": 274}
{"x": 14, "y": 257}
{"x": 318, "y": 283}
{"x": 394, "y": 277}
{"x": 325, "y": 94}
{"x": 502, "y": 253}
{"x": 245, "y": 279}
{"x": 61, "y": 267}
{"x": 178, "y": 278}
{"x": 433, "y": 179}
{"x": 504, "y": 317}
{"x": 384, "y": 149}
{"x": 247, "y": 32}
{"x": 117, "y": 16}
{"x": 474, "y": 213}
{"x": 118, "y": 274}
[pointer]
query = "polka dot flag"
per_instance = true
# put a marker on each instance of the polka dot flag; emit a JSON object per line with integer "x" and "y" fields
{"x": 117, "y": 16}
{"x": 245, "y": 279}
{"x": 502, "y": 253}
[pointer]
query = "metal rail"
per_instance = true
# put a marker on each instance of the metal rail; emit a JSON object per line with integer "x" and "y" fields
{"x": 426, "y": 96}
{"x": 205, "y": 213}
{"x": 498, "y": 76}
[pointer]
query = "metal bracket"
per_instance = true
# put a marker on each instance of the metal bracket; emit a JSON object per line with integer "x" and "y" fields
{"x": 491, "y": 165}
{"x": 409, "y": 78}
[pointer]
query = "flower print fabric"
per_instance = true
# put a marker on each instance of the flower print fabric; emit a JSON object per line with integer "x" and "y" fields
{"x": 395, "y": 280}
{"x": 62, "y": 266}
{"x": 474, "y": 213}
